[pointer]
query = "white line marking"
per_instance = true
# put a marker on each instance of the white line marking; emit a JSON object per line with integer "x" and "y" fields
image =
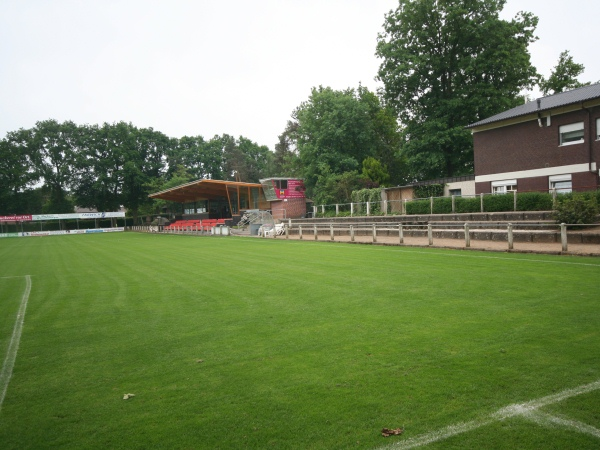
{"x": 13, "y": 346}
{"x": 526, "y": 410}
{"x": 547, "y": 420}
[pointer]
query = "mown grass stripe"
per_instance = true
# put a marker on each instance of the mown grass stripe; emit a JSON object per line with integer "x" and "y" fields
{"x": 13, "y": 346}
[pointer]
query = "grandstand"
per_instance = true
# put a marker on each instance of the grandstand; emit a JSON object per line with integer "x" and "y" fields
{"x": 203, "y": 200}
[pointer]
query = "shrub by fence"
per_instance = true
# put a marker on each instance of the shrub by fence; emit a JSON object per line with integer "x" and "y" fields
{"x": 526, "y": 201}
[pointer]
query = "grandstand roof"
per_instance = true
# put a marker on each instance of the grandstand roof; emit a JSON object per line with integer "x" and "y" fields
{"x": 202, "y": 190}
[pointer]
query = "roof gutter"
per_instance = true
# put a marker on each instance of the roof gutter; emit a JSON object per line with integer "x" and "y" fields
{"x": 590, "y": 136}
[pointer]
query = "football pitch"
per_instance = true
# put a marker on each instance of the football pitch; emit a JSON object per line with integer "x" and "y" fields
{"x": 230, "y": 342}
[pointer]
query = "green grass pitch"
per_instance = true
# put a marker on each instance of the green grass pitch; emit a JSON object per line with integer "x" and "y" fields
{"x": 259, "y": 343}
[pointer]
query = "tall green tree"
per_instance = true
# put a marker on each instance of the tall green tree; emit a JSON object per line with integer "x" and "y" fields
{"x": 337, "y": 130}
{"x": 563, "y": 76}
{"x": 53, "y": 147}
{"x": 448, "y": 63}
{"x": 286, "y": 162}
{"x": 245, "y": 160}
{"x": 99, "y": 166}
{"x": 17, "y": 173}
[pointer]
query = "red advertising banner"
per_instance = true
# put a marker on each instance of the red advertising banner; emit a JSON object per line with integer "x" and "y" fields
{"x": 22, "y": 218}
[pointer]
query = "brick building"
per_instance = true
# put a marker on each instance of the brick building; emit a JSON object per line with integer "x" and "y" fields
{"x": 550, "y": 143}
{"x": 287, "y": 197}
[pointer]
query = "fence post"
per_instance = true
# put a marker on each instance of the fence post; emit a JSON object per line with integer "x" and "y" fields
{"x": 403, "y": 206}
{"x": 554, "y": 198}
{"x": 453, "y": 204}
{"x": 374, "y": 233}
{"x": 430, "y": 205}
{"x": 510, "y": 236}
{"x": 299, "y": 231}
{"x": 323, "y": 209}
{"x": 563, "y": 237}
{"x": 351, "y": 233}
{"x": 337, "y": 209}
{"x": 401, "y": 234}
{"x": 515, "y": 200}
{"x": 316, "y": 234}
{"x": 430, "y": 233}
{"x": 385, "y": 206}
{"x": 331, "y": 231}
{"x": 368, "y": 208}
{"x": 287, "y": 234}
{"x": 467, "y": 235}
{"x": 481, "y": 196}
{"x": 351, "y": 209}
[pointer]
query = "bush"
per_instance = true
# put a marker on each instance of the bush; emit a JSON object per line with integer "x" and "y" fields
{"x": 442, "y": 205}
{"x": 576, "y": 209}
{"x": 418, "y": 207}
{"x": 467, "y": 205}
{"x": 499, "y": 202}
{"x": 534, "y": 201}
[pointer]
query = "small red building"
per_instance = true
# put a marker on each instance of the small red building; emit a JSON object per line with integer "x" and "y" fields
{"x": 287, "y": 197}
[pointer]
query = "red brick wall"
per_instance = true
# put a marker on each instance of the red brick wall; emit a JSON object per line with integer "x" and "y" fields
{"x": 294, "y": 208}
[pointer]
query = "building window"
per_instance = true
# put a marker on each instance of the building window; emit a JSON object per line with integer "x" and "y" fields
{"x": 571, "y": 134}
{"x": 457, "y": 192}
{"x": 598, "y": 129}
{"x": 561, "y": 183}
{"x": 281, "y": 184}
{"x": 502, "y": 187}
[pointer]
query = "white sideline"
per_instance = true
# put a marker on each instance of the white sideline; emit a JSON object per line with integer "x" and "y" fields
{"x": 525, "y": 410}
{"x": 13, "y": 346}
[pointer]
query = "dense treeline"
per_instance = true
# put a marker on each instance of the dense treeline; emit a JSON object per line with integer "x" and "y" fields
{"x": 55, "y": 166}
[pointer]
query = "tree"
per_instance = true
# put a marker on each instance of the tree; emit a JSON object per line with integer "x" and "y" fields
{"x": 332, "y": 188}
{"x": 99, "y": 166}
{"x": 286, "y": 162}
{"x": 53, "y": 148}
{"x": 337, "y": 130}
{"x": 563, "y": 77}
{"x": 448, "y": 63}
{"x": 245, "y": 160}
{"x": 17, "y": 173}
{"x": 373, "y": 170}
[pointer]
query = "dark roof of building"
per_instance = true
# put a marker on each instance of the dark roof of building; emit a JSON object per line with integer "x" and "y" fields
{"x": 574, "y": 96}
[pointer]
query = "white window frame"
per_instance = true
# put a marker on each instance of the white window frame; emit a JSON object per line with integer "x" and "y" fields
{"x": 504, "y": 186}
{"x": 571, "y": 128}
{"x": 598, "y": 129}
{"x": 563, "y": 184}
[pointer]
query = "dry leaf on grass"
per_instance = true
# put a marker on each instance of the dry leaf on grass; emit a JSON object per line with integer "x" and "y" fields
{"x": 386, "y": 432}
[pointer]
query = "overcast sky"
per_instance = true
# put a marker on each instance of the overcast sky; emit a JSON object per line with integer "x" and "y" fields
{"x": 206, "y": 67}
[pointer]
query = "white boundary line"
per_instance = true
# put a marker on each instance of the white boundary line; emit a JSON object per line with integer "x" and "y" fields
{"x": 525, "y": 410}
{"x": 13, "y": 346}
